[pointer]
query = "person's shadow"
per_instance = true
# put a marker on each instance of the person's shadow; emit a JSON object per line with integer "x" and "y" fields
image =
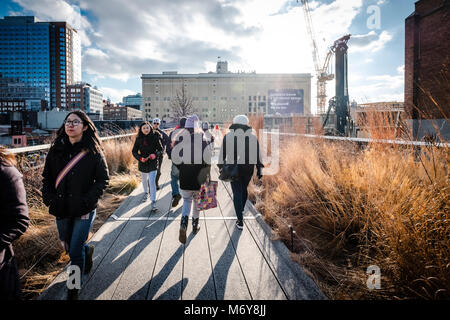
{"x": 220, "y": 271}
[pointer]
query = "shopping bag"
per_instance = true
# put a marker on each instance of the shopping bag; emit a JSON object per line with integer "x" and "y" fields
{"x": 207, "y": 197}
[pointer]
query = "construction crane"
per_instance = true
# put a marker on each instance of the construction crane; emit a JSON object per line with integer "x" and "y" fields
{"x": 321, "y": 70}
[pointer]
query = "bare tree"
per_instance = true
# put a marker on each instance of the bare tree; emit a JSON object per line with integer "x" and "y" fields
{"x": 182, "y": 104}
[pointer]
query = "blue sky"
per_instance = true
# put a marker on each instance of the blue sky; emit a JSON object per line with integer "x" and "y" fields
{"x": 122, "y": 39}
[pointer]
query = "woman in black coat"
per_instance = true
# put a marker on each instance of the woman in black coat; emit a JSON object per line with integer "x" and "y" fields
{"x": 74, "y": 178}
{"x": 246, "y": 155}
{"x": 147, "y": 150}
{"x": 14, "y": 222}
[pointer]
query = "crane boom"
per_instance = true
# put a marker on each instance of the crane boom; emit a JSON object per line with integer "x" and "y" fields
{"x": 321, "y": 70}
{"x": 310, "y": 28}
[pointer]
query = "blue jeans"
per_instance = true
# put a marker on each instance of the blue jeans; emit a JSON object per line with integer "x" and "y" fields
{"x": 240, "y": 194}
{"x": 74, "y": 232}
{"x": 174, "y": 178}
{"x": 149, "y": 179}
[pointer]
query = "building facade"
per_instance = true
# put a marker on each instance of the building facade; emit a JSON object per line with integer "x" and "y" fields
{"x": 82, "y": 96}
{"x": 14, "y": 92}
{"x": 44, "y": 55}
{"x": 427, "y": 59}
{"x": 218, "y": 96}
{"x": 115, "y": 112}
{"x": 133, "y": 101}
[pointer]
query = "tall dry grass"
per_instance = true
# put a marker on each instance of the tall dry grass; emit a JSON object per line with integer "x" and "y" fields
{"x": 385, "y": 206}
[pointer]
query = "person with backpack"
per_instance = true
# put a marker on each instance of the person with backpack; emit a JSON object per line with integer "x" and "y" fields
{"x": 174, "y": 172}
{"x": 241, "y": 147}
{"x": 14, "y": 221}
{"x": 165, "y": 141}
{"x": 194, "y": 165}
{"x": 147, "y": 150}
{"x": 74, "y": 178}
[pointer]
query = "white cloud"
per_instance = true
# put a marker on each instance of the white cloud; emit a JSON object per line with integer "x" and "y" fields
{"x": 115, "y": 95}
{"x": 59, "y": 10}
{"x": 378, "y": 88}
{"x": 370, "y": 42}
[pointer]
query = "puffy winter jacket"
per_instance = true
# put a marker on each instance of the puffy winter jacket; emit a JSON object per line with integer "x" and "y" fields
{"x": 78, "y": 193}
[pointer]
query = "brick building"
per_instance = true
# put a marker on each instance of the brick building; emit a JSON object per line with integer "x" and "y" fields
{"x": 115, "y": 112}
{"x": 427, "y": 65}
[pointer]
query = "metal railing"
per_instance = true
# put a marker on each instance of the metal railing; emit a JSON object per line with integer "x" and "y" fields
{"x": 365, "y": 140}
{"x": 47, "y": 146}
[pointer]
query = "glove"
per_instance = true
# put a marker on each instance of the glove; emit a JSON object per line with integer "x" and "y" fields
{"x": 152, "y": 156}
{"x": 143, "y": 159}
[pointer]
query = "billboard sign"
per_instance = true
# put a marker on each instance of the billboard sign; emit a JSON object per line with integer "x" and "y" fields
{"x": 286, "y": 101}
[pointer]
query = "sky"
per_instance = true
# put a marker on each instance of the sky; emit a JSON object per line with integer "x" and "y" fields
{"x": 123, "y": 39}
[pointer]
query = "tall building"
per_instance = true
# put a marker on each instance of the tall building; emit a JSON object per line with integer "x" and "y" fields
{"x": 219, "y": 96}
{"x": 427, "y": 67}
{"x": 82, "y": 96}
{"x": 133, "y": 101}
{"x": 43, "y": 55}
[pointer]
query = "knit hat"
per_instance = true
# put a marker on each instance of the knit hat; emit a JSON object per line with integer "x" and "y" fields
{"x": 156, "y": 120}
{"x": 183, "y": 122}
{"x": 192, "y": 122}
{"x": 241, "y": 119}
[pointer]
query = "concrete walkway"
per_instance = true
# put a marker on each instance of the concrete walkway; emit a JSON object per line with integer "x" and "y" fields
{"x": 138, "y": 256}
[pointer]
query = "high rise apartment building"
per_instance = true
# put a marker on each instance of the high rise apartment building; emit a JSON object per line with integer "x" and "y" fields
{"x": 45, "y": 55}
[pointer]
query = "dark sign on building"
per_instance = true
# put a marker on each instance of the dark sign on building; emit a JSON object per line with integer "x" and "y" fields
{"x": 286, "y": 101}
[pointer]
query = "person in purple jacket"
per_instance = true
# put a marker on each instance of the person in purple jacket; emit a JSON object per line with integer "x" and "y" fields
{"x": 14, "y": 221}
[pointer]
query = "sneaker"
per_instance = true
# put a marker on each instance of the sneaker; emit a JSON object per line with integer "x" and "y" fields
{"x": 72, "y": 294}
{"x": 176, "y": 199}
{"x": 146, "y": 197}
{"x": 183, "y": 228}
{"x": 153, "y": 206}
{"x": 195, "y": 226}
{"x": 157, "y": 187}
{"x": 240, "y": 224}
{"x": 89, "y": 262}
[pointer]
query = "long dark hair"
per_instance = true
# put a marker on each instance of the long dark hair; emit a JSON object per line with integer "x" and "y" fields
{"x": 90, "y": 137}
{"x": 140, "y": 135}
{"x": 7, "y": 158}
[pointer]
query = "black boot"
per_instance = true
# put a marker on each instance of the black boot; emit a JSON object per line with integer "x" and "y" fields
{"x": 183, "y": 228}
{"x": 195, "y": 226}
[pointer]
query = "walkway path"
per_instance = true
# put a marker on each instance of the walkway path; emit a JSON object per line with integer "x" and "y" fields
{"x": 138, "y": 255}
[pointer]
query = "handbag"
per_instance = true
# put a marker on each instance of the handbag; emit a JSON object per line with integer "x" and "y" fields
{"x": 229, "y": 172}
{"x": 207, "y": 197}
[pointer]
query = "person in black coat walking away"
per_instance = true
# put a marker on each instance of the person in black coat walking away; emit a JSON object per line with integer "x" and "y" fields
{"x": 247, "y": 155}
{"x": 195, "y": 165}
{"x": 74, "y": 178}
{"x": 14, "y": 221}
{"x": 165, "y": 141}
{"x": 147, "y": 149}
{"x": 174, "y": 172}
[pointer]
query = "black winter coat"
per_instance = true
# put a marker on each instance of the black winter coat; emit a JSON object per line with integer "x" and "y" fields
{"x": 14, "y": 218}
{"x": 79, "y": 191}
{"x": 164, "y": 138}
{"x": 192, "y": 175}
{"x": 246, "y": 161}
{"x": 145, "y": 146}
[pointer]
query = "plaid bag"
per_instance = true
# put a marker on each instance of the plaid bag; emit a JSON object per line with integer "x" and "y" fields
{"x": 207, "y": 197}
